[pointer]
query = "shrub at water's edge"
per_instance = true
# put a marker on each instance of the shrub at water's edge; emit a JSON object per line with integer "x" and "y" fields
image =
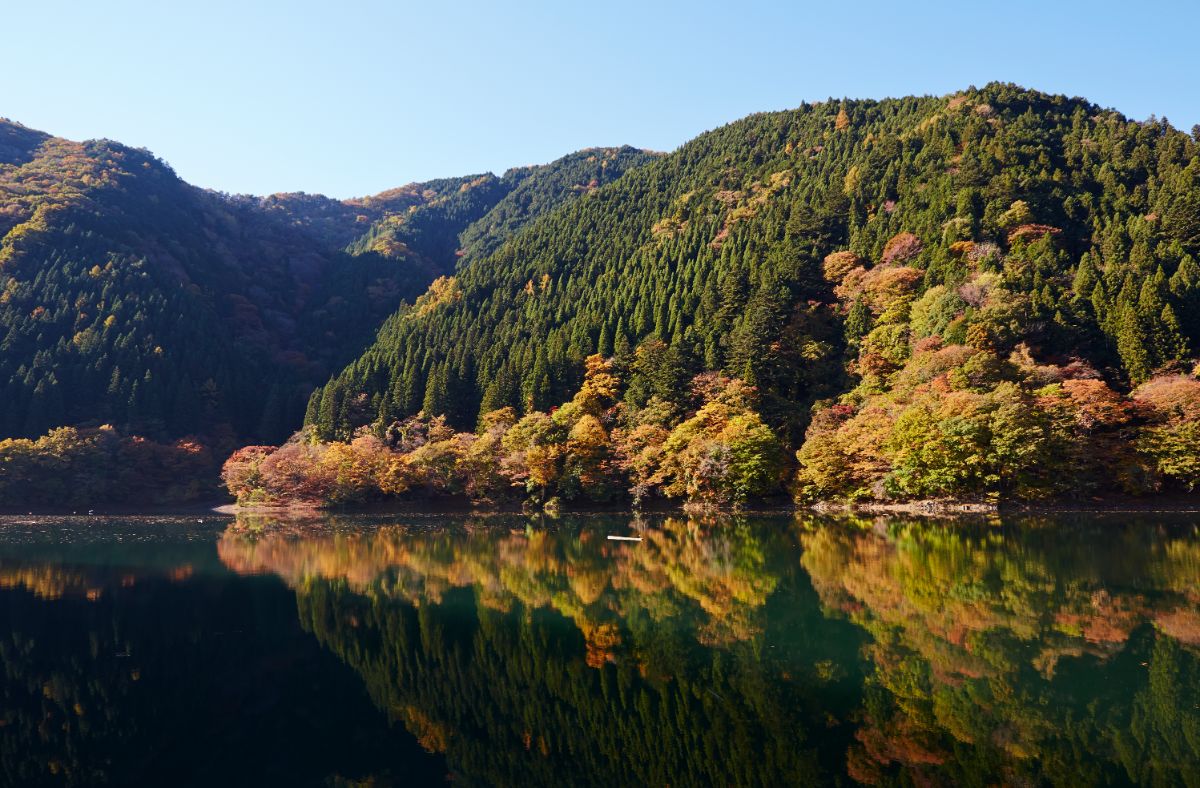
{"x": 957, "y": 423}
{"x": 71, "y": 467}
{"x": 705, "y": 445}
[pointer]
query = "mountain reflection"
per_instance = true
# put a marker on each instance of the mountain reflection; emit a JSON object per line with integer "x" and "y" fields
{"x": 51, "y": 582}
{"x": 130, "y": 657}
{"x": 714, "y": 580}
{"x": 765, "y": 651}
{"x": 1041, "y": 653}
{"x": 537, "y": 656}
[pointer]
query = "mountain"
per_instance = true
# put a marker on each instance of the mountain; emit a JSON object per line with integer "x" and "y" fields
{"x": 718, "y": 250}
{"x": 540, "y": 189}
{"x": 444, "y": 224}
{"x": 990, "y": 294}
{"x": 128, "y": 296}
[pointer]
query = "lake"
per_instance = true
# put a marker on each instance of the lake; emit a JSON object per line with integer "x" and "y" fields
{"x": 506, "y": 650}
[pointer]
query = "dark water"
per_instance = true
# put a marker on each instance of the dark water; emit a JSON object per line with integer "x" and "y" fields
{"x": 511, "y": 651}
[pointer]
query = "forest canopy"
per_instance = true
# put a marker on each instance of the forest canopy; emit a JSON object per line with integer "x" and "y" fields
{"x": 131, "y": 298}
{"x": 990, "y": 294}
{"x": 976, "y": 296}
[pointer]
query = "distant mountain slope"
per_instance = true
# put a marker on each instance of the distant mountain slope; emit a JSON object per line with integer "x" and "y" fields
{"x": 419, "y": 222}
{"x": 451, "y": 221}
{"x": 128, "y": 296}
{"x": 17, "y": 143}
{"x": 540, "y": 189}
{"x": 1073, "y": 229}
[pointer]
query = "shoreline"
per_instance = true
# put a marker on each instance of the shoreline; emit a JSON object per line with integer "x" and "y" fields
{"x": 1173, "y": 503}
{"x": 203, "y": 508}
{"x": 1167, "y": 504}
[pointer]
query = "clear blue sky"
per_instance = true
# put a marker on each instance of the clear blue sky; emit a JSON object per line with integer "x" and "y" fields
{"x": 349, "y": 98}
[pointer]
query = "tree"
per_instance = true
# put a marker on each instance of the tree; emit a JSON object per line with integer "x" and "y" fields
{"x": 242, "y": 473}
{"x": 588, "y": 460}
{"x": 1171, "y": 437}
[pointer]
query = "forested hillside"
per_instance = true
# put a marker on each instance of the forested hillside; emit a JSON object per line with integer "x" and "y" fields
{"x": 820, "y": 256}
{"x": 131, "y": 298}
{"x": 444, "y": 224}
{"x": 993, "y": 293}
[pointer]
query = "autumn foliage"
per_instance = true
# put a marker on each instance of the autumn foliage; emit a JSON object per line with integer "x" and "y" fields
{"x": 595, "y": 448}
{"x": 87, "y": 467}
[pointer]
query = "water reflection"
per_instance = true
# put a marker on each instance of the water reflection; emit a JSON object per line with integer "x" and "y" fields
{"x": 551, "y": 655}
{"x": 129, "y": 656}
{"x": 512, "y": 651}
{"x": 782, "y": 650}
{"x": 714, "y": 579}
{"x": 1046, "y": 651}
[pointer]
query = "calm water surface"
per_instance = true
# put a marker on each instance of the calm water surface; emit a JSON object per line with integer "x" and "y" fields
{"x": 514, "y": 651}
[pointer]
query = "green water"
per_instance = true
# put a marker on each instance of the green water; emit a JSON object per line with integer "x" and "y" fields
{"x": 514, "y": 651}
